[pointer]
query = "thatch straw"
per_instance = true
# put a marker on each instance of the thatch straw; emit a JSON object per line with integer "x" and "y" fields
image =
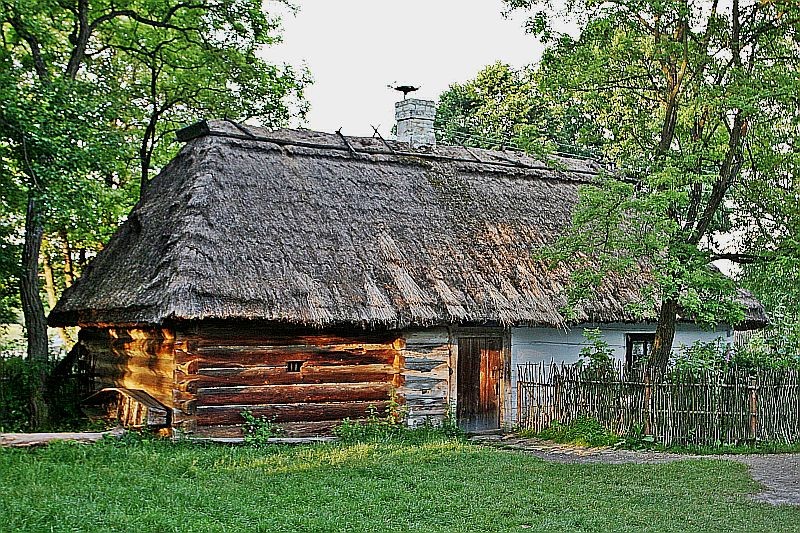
{"x": 298, "y": 227}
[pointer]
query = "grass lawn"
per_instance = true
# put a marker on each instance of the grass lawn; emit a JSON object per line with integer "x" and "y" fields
{"x": 438, "y": 486}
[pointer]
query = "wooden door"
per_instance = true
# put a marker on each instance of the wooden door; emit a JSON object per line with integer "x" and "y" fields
{"x": 479, "y": 375}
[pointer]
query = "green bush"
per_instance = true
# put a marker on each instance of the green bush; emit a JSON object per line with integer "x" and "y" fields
{"x": 583, "y": 431}
{"x": 702, "y": 356}
{"x": 637, "y": 439}
{"x": 759, "y": 352}
{"x": 258, "y": 430}
{"x": 769, "y": 350}
{"x": 390, "y": 426}
{"x": 19, "y": 378}
{"x": 598, "y": 355}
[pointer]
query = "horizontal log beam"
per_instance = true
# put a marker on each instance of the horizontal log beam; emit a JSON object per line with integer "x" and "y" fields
{"x": 270, "y": 357}
{"x": 297, "y": 412}
{"x": 277, "y": 375}
{"x": 286, "y": 429}
{"x": 341, "y": 392}
{"x": 249, "y": 331}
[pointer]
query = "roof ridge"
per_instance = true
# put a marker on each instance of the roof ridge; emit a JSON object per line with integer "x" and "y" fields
{"x": 501, "y": 158}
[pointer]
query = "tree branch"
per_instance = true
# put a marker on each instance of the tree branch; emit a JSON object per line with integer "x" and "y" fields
{"x": 742, "y": 259}
{"x": 39, "y": 64}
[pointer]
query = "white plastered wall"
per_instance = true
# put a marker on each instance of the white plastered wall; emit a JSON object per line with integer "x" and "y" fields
{"x": 535, "y": 345}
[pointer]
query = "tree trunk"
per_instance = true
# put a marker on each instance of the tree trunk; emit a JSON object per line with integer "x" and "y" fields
{"x": 52, "y": 297}
{"x": 33, "y": 311}
{"x": 665, "y": 335}
{"x": 49, "y": 281}
{"x": 32, "y": 308}
{"x": 144, "y": 178}
{"x": 69, "y": 270}
{"x": 146, "y": 152}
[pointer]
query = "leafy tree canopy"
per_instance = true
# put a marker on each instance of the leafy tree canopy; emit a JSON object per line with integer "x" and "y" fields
{"x": 505, "y": 107}
{"x": 91, "y": 92}
{"x": 697, "y": 106}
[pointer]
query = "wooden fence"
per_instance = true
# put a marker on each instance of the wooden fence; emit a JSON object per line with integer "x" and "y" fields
{"x": 701, "y": 407}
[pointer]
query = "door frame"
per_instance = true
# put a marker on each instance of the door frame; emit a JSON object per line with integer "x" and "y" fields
{"x": 505, "y": 358}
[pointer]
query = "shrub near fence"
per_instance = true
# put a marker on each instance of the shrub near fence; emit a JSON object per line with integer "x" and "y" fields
{"x": 19, "y": 376}
{"x": 706, "y": 407}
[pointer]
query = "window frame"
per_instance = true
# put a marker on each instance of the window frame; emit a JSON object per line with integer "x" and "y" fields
{"x": 631, "y": 338}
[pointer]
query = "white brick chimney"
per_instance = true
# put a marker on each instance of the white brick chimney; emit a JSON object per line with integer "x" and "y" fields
{"x": 415, "y": 121}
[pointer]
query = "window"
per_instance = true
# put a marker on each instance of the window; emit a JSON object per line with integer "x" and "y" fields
{"x": 637, "y": 347}
{"x": 293, "y": 366}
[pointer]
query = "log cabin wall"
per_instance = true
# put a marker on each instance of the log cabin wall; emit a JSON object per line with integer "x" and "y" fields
{"x": 426, "y": 374}
{"x": 132, "y": 358}
{"x": 305, "y": 381}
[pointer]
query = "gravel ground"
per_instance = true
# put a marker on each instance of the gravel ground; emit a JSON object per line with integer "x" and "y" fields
{"x": 779, "y": 474}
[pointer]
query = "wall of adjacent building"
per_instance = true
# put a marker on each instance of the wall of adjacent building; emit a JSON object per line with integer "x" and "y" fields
{"x": 537, "y": 345}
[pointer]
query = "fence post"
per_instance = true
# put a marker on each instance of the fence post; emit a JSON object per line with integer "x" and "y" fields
{"x": 519, "y": 400}
{"x": 558, "y": 411}
{"x": 752, "y": 390}
{"x": 648, "y": 404}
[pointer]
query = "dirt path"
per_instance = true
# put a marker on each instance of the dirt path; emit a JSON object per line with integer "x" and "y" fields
{"x": 779, "y": 474}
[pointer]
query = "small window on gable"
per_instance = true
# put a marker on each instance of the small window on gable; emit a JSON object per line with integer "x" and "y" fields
{"x": 638, "y": 347}
{"x": 293, "y": 366}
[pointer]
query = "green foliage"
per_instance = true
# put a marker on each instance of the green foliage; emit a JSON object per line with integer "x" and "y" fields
{"x": 259, "y": 430}
{"x": 637, "y": 439}
{"x": 776, "y": 284}
{"x": 504, "y": 107}
{"x": 390, "y": 426}
{"x": 696, "y": 108}
{"x": 582, "y": 431}
{"x": 598, "y": 356}
{"x": 18, "y": 379}
{"x": 734, "y": 449}
{"x": 91, "y": 93}
{"x": 9, "y": 254}
{"x": 717, "y": 356}
{"x": 770, "y": 350}
{"x": 703, "y": 357}
{"x": 207, "y": 63}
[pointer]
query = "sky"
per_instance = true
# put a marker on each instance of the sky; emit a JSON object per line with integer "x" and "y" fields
{"x": 355, "y": 48}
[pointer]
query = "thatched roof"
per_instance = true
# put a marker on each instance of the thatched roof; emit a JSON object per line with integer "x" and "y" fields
{"x": 320, "y": 229}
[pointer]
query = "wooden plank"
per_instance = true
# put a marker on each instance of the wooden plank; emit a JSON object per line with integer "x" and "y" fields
{"x": 227, "y": 367}
{"x": 287, "y": 429}
{"x": 277, "y": 375}
{"x": 422, "y": 337}
{"x": 131, "y": 407}
{"x": 411, "y": 397}
{"x": 127, "y": 334}
{"x": 245, "y": 333}
{"x": 425, "y": 381}
{"x": 425, "y": 364}
{"x": 112, "y": 366}
{"x": 159, "y": 386}
{"x": 27, "y": 440}
{"x": 426, "y": 374}
{"x": 270, "y": 356}
{"x": 298, "y": 412}
{"x": 339, "y": 392}
{"x": 136, "y": 359}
